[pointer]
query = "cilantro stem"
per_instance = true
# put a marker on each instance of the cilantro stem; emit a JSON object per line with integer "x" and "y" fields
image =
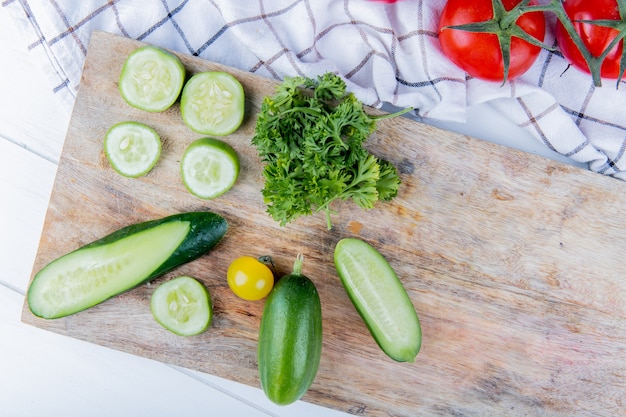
{"x": 329, "y": 223}
{"x": 391, "y": 115}
{"x": 309, "y": 110}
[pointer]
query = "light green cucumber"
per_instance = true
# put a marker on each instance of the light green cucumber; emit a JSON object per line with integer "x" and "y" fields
{"x": 183, "y": 306}
{"x": 380, "y": 298}
{"x": 132, "y": 148}
{"x": 151, "y": 79}
{"x": 213, "y": 103}
{"x": 209, "y": 167}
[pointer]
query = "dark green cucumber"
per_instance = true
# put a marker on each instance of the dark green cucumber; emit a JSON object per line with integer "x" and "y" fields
{"x": 121, "y": 261}
{"x": 290, "y": 338}
{"x": 380, "y": 298}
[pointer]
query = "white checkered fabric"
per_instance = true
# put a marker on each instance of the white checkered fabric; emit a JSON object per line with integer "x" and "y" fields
{"x": 388, "y": 53}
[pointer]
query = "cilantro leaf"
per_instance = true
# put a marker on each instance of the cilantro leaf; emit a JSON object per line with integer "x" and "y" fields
{"x": 310, "y": 136}
{"x": 389, "y": 183}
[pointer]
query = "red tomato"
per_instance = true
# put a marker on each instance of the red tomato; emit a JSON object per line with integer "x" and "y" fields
{"x": 479, "y": 54}
{"x": 596, "y": 38}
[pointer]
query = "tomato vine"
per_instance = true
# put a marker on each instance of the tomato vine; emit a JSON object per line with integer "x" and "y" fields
{"x": 503, "y": 24}
{"x": 593, "y": 62}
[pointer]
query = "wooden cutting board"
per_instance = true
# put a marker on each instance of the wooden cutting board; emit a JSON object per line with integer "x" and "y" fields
{"x": 513, "y": 262}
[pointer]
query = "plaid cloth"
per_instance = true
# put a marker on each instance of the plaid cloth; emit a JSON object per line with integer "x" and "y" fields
{"x": 388, "y": 53}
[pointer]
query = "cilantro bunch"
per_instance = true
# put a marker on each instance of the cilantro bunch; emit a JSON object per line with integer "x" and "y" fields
{"x": 310, "y": 135}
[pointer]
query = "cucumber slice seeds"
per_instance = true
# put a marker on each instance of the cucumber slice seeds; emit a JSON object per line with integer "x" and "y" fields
{"x": 183, "y": 306}
{"x": 209, "y": 168}
{"x": 212, "y": 103}
{"x": 151, "y": 79}
{"x": 132, "y": 148}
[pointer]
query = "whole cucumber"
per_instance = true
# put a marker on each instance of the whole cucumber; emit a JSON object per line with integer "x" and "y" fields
{"x": 120, "y": 261}
{"x": 290, "y": 338}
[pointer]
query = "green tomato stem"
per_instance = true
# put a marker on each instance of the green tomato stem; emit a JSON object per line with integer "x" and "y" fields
{"x": 507, "y": 19}
{"x": 504, "y": 26}
{"x": 594, "y": 63}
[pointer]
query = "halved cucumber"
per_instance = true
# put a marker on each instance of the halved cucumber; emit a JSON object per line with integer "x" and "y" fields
{"x": 209, "y": 167}
{"x": 121, "y": 261}
{"x": 132, "y": 148}
{"x": 183, "y": 306}
{"x": 380, "y": 298}
{"x": 212, "y": 103}
{"x": 151, "y": 79}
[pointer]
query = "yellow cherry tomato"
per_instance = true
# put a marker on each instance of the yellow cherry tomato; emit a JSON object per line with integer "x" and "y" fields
{"x": 250, "y": 278}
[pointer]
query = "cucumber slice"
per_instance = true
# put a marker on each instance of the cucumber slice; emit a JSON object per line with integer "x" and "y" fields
{"x": 380, "y": 298}
{"x": 121, "y": 261}
{"x": 183, "y": 306}
{"x": 212, "y": 103}
{"x": 132, "y": 148}
{"x": 209, "y": 167}
{"x": 151, "y": 79}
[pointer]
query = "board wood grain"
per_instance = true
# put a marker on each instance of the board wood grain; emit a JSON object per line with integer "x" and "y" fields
{"x": 513, "y": 262}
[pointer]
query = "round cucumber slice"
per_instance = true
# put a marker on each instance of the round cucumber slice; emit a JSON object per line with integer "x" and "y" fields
{"x": 183, "y": 306}
{"x": 212, "y": 103}
{"x": 132, "y": 148}
{"x": 209, "y": 167}
{"x": 151, "y": 79}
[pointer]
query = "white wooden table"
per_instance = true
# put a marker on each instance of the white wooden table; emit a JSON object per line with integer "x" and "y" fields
{"x": 42, "y": 373}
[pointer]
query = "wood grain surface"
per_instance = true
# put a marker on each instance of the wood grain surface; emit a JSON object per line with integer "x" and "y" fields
{"x": 515, "y": 264}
